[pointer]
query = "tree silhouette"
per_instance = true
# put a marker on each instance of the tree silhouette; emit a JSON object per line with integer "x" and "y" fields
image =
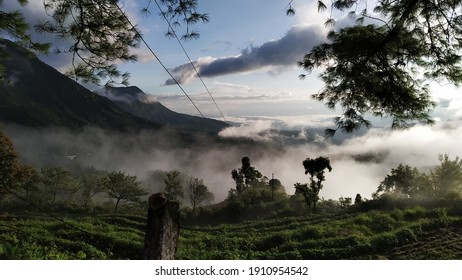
{"x": 358, "y": 199}
{"x": 403, "y": 181}
{"x": 9, "y": 165}
{"x": 91, "y": 183}
{"x": 55, "y": 180}
{"x": 315, "y": 168}
{"x": 246, "y": 176}
{"x": 447, "y": 177}
{"x": 174, "y": 186}
{"x": 377, "y": 68}
{"x": 198, "y": 193}
{"x": 123, "y": 187}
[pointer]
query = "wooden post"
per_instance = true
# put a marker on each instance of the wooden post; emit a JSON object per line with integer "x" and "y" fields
{"x": 163, "y": 228}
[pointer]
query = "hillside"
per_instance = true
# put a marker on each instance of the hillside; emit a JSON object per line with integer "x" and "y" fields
{"x": 413, "y": 233}
{"x": 35, "y": 94}
{"x": 135, "y": 101}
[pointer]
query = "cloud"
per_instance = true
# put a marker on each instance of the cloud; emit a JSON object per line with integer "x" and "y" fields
{"x": 359, "y": 163}
{"x": 285, "y": 52}
{"x": 127, "y": 97}
{"x": 282, "y": 129}
{"x": 455, "y": 106}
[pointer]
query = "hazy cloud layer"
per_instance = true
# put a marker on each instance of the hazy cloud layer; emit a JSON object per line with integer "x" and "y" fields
{"x": 127, "y": 97}
{"x": 285, "y": 51}
{"x": 359, "y": 163}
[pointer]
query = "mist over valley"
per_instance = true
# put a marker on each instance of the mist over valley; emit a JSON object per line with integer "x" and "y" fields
{"x": 123, "y": 128}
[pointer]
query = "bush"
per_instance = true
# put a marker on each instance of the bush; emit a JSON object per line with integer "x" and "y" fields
{"x": 382, "y": 222}
{"x": 415, "y": 213}
{"x": 406, "y": 235}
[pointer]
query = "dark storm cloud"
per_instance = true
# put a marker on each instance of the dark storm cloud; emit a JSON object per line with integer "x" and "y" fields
{"x": 285, "y": 52}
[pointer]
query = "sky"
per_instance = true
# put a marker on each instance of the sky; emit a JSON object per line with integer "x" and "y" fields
{"x": 247, "y": 55}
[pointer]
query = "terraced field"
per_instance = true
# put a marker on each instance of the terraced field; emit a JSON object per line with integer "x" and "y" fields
{"x": 415, "y": 233}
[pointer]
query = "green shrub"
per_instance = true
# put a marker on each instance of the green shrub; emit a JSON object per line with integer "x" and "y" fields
{"x": 415, "y": 213}
{"x": 406, "y": 235}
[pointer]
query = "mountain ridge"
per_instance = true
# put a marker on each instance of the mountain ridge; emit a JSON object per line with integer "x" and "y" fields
{"x": 35, "y": 94}
{"x": 133, "y": 100}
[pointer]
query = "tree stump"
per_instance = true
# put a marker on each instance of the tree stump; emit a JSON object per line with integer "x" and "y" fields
{"x": 163, "y": 228}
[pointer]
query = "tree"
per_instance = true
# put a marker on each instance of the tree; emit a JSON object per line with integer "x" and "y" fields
{"x": 198, "y": 193}
{"x": 174, "y": 186}
{"x": 122, "y": 187}
{"x": 91, "y": 184}
{"x": 246, "y": 176}
{"x": 276, "y": 187}
{"x": 345, "y": 202}
{"x": 447, "y": 177}
{"x": 377, "y": 68}
{"x": 314, "y": 167}
{"x": 56, "y": 180}
{"x": 99, "y": 31}
{"x": 28, "y": 180}
{"x": 9, "y": 166}
{"x": 358, "y": 199}
{"x": 308, "y": 193}
{"x": 403, "y": 181}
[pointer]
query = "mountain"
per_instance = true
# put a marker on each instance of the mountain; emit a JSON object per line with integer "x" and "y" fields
{"x": 35, "y": 94}
{"x": 135, "y": 101}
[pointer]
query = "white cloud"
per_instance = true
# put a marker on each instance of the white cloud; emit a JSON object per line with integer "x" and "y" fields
{"x": 270, "y": 56}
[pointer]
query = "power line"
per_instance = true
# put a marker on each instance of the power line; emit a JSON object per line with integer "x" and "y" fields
{"x": 158, "y": 59}
{"x": 192, "y": 64}
{"x": 47, "y": 213}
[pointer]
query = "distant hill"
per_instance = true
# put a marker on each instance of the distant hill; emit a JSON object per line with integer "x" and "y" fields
{"x": 35, "y": 94}
{"x": 135, "y": 101}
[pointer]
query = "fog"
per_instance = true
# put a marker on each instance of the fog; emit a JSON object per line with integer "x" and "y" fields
{"x": 359, "y": 163}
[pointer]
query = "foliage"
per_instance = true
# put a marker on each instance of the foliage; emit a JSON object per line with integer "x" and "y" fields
{"x": 28, "y": 180}
{"x": 198, "y": 193}
{"x": 8, "y": 165}
{"x": 314, "y": 167}
{"x": 358, "y": 199}
{"x": 368, "y": 235}
{"x": 443, "y": 182}
{"x": 100, "y": 34}
{"x": 447, "y": 177}
{"x": 403, "y": 181}
{"x": 345, "y": 202}
{"x": 395, "y": 234}
{"x": 99, "y": 31}
{"x": 122, "y": 187}
{"x": 107, "y": 237}
{"x": 174, "y": 186}
{"x": 361, "y": 82}
{"x": 91, "y": 184}
{"x": 15, "y": 25}
{"x": 177, "y": 11}
{"x": 377, "y": 68}
{"x": 246, "y": 176}
{"x": 56, "y": 180}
